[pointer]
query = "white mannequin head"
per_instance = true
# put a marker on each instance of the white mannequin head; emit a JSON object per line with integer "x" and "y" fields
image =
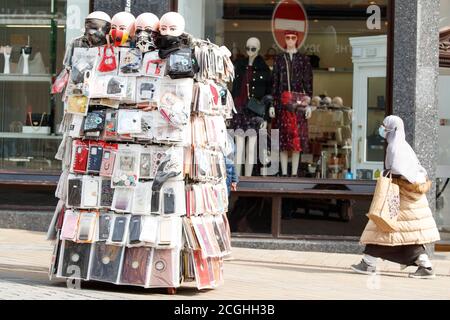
{"x": 124, "y": 21}
{"x": 172, "y": 24}
{"x": 147, "y": 20}
{"x": 315, "y": 101}
{"x": 100, "y": 15}
{"x": 338, "y": 102}
{"x": 291, "y": 39}
{"x": 96, "y": 28}
{"x": 253, "y": 47}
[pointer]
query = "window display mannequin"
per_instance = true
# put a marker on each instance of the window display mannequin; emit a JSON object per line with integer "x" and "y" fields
{"x": 122, "y": 28}
{"x": 146, "y": 28}
{"x": 290, "y": 121}
{"x": 171, "y": 35}
{"x": 97, "y": 26}
{"x": 6, "y": 50}
{"x": 253, "y": 80}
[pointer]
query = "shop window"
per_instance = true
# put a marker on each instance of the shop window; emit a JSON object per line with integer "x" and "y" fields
{"x": 337, "y": 137}
{"x": 324, "y": 217}
{"x": 443, "y": 143}
{"x": 33, "y": 44}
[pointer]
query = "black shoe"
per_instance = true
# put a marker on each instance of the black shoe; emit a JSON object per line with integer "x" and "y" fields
{"x": 423, "y": 273}
{"x": 364, "y": 268}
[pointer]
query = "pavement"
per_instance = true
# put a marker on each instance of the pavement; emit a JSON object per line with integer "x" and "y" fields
{"x": 252, "y": 274}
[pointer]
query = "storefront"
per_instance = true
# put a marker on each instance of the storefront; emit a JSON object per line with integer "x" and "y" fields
{"x": 347, "y": 58}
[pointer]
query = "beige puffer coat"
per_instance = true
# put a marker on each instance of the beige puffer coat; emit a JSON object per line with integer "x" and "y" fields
{"x": 416, "y": 224}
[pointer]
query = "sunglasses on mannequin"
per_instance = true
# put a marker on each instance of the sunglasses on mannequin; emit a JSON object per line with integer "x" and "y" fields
{"x": 252, "y": 49}
{"x": 291, "y": 37}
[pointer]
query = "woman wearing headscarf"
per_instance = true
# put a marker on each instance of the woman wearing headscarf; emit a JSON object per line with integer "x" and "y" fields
{"x": 415, "y": 225}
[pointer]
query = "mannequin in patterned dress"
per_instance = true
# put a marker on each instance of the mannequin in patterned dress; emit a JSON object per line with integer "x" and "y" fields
{"x": 292, "y": 124}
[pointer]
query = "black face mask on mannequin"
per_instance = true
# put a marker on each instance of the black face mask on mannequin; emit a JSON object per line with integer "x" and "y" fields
{"x": 96, "y": 31}
{"x": 167, "y": 44}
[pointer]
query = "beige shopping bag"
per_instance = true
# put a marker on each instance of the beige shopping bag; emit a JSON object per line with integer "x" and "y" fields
{"x": 385, "y": 205}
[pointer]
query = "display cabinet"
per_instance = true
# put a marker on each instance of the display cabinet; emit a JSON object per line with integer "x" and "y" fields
{"x": 32, "y": 42}
{"x": 369, "y": 55}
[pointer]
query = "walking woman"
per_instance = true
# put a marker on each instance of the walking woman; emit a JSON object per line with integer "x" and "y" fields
{"x": 416, "y": 226}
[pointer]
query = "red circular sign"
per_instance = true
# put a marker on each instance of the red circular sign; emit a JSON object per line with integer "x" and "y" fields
{"x": 289, "y": 15}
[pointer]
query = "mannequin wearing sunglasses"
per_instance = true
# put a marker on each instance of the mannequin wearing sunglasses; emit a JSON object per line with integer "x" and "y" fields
{"x": 292, "y": 73}
{"x": 253, "y": 80}
{"x": 96, "y": 28}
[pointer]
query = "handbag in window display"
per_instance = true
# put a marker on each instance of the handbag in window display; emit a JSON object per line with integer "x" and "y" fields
{"x": 129, "y": 190}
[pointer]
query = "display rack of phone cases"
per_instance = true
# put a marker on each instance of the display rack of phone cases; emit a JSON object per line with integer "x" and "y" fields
{"x": 142, "y": 195}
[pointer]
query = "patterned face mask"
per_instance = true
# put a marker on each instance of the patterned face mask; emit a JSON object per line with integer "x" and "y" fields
{"x": 144, "y": 41}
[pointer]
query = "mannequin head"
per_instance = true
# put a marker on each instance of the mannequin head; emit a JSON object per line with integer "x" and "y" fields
{"x": 291, "y": 40}
{"x": 122, "y": 27}
{"x": 315, "y": 101}
{"x": 147, "y": 25}
{"x": 146, "y": 21}
{"x": 253, "y": 47}
{"x": 172, "y": 24}
{"x": 327, "y": 101}
{"x": 338, "y": 102}
{"x": 97, "y": 25}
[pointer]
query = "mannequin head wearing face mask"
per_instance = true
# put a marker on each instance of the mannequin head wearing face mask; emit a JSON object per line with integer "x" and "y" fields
{"x": 97, "y": 26}
{"x": 122, "y": 28}
{"x": 252, "y": 49}
{"x": 146, "y": 28}
{"x": 171, "y": 31}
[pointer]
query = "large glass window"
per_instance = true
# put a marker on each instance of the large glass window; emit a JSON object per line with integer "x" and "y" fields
{"x": 32, "y": 34}
{"x": 443, "y": 172}
{"x": 339, "y": 61}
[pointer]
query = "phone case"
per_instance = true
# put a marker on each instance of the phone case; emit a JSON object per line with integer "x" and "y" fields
{"x": 120, "y": 225}
{"x": 135, "y": 229}
{"x": 165, "y": 232}
{"x": 80, "y": 156}
{"x": 126, "y": 167}
{"x": 110, "y": 132}
{"x": 145, "y": 165}
{"x": 201, "y": 269}
{"x": 91, "y": 188}
{"x": 122, "y": 200}
{"x": 95, "y": 158}
{"x": 142, "y": 198}
{"x": 169, "y": 201}
{"x": 107, "y": 166}
{"x": 75, "y": 260}
{"x": 86, "y": 227}
{"x": 104, "y": 226}
{"x": 149, "y": 230}
{"x": 106, "y": 262}
{"x": 155, "y": 202}
{"x": 136, "y": 266}
{"x": 162, "y": 274}
{"x": 106, "y": 194}
{"x": 75, "y": 187}
{"x": 94, "y": 122}
{"x": 70, "y": 225}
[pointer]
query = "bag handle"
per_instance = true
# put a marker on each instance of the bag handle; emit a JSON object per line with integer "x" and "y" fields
{"x": 288, "y": 73}
{"x": 31, "y": 120}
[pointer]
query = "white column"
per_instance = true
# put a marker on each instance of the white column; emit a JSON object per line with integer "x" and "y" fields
{"x": 194, "y": 13}
{"x": 77, "y": 10}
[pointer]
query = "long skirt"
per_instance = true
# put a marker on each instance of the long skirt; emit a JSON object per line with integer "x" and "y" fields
{"x": 406, "y": 255}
